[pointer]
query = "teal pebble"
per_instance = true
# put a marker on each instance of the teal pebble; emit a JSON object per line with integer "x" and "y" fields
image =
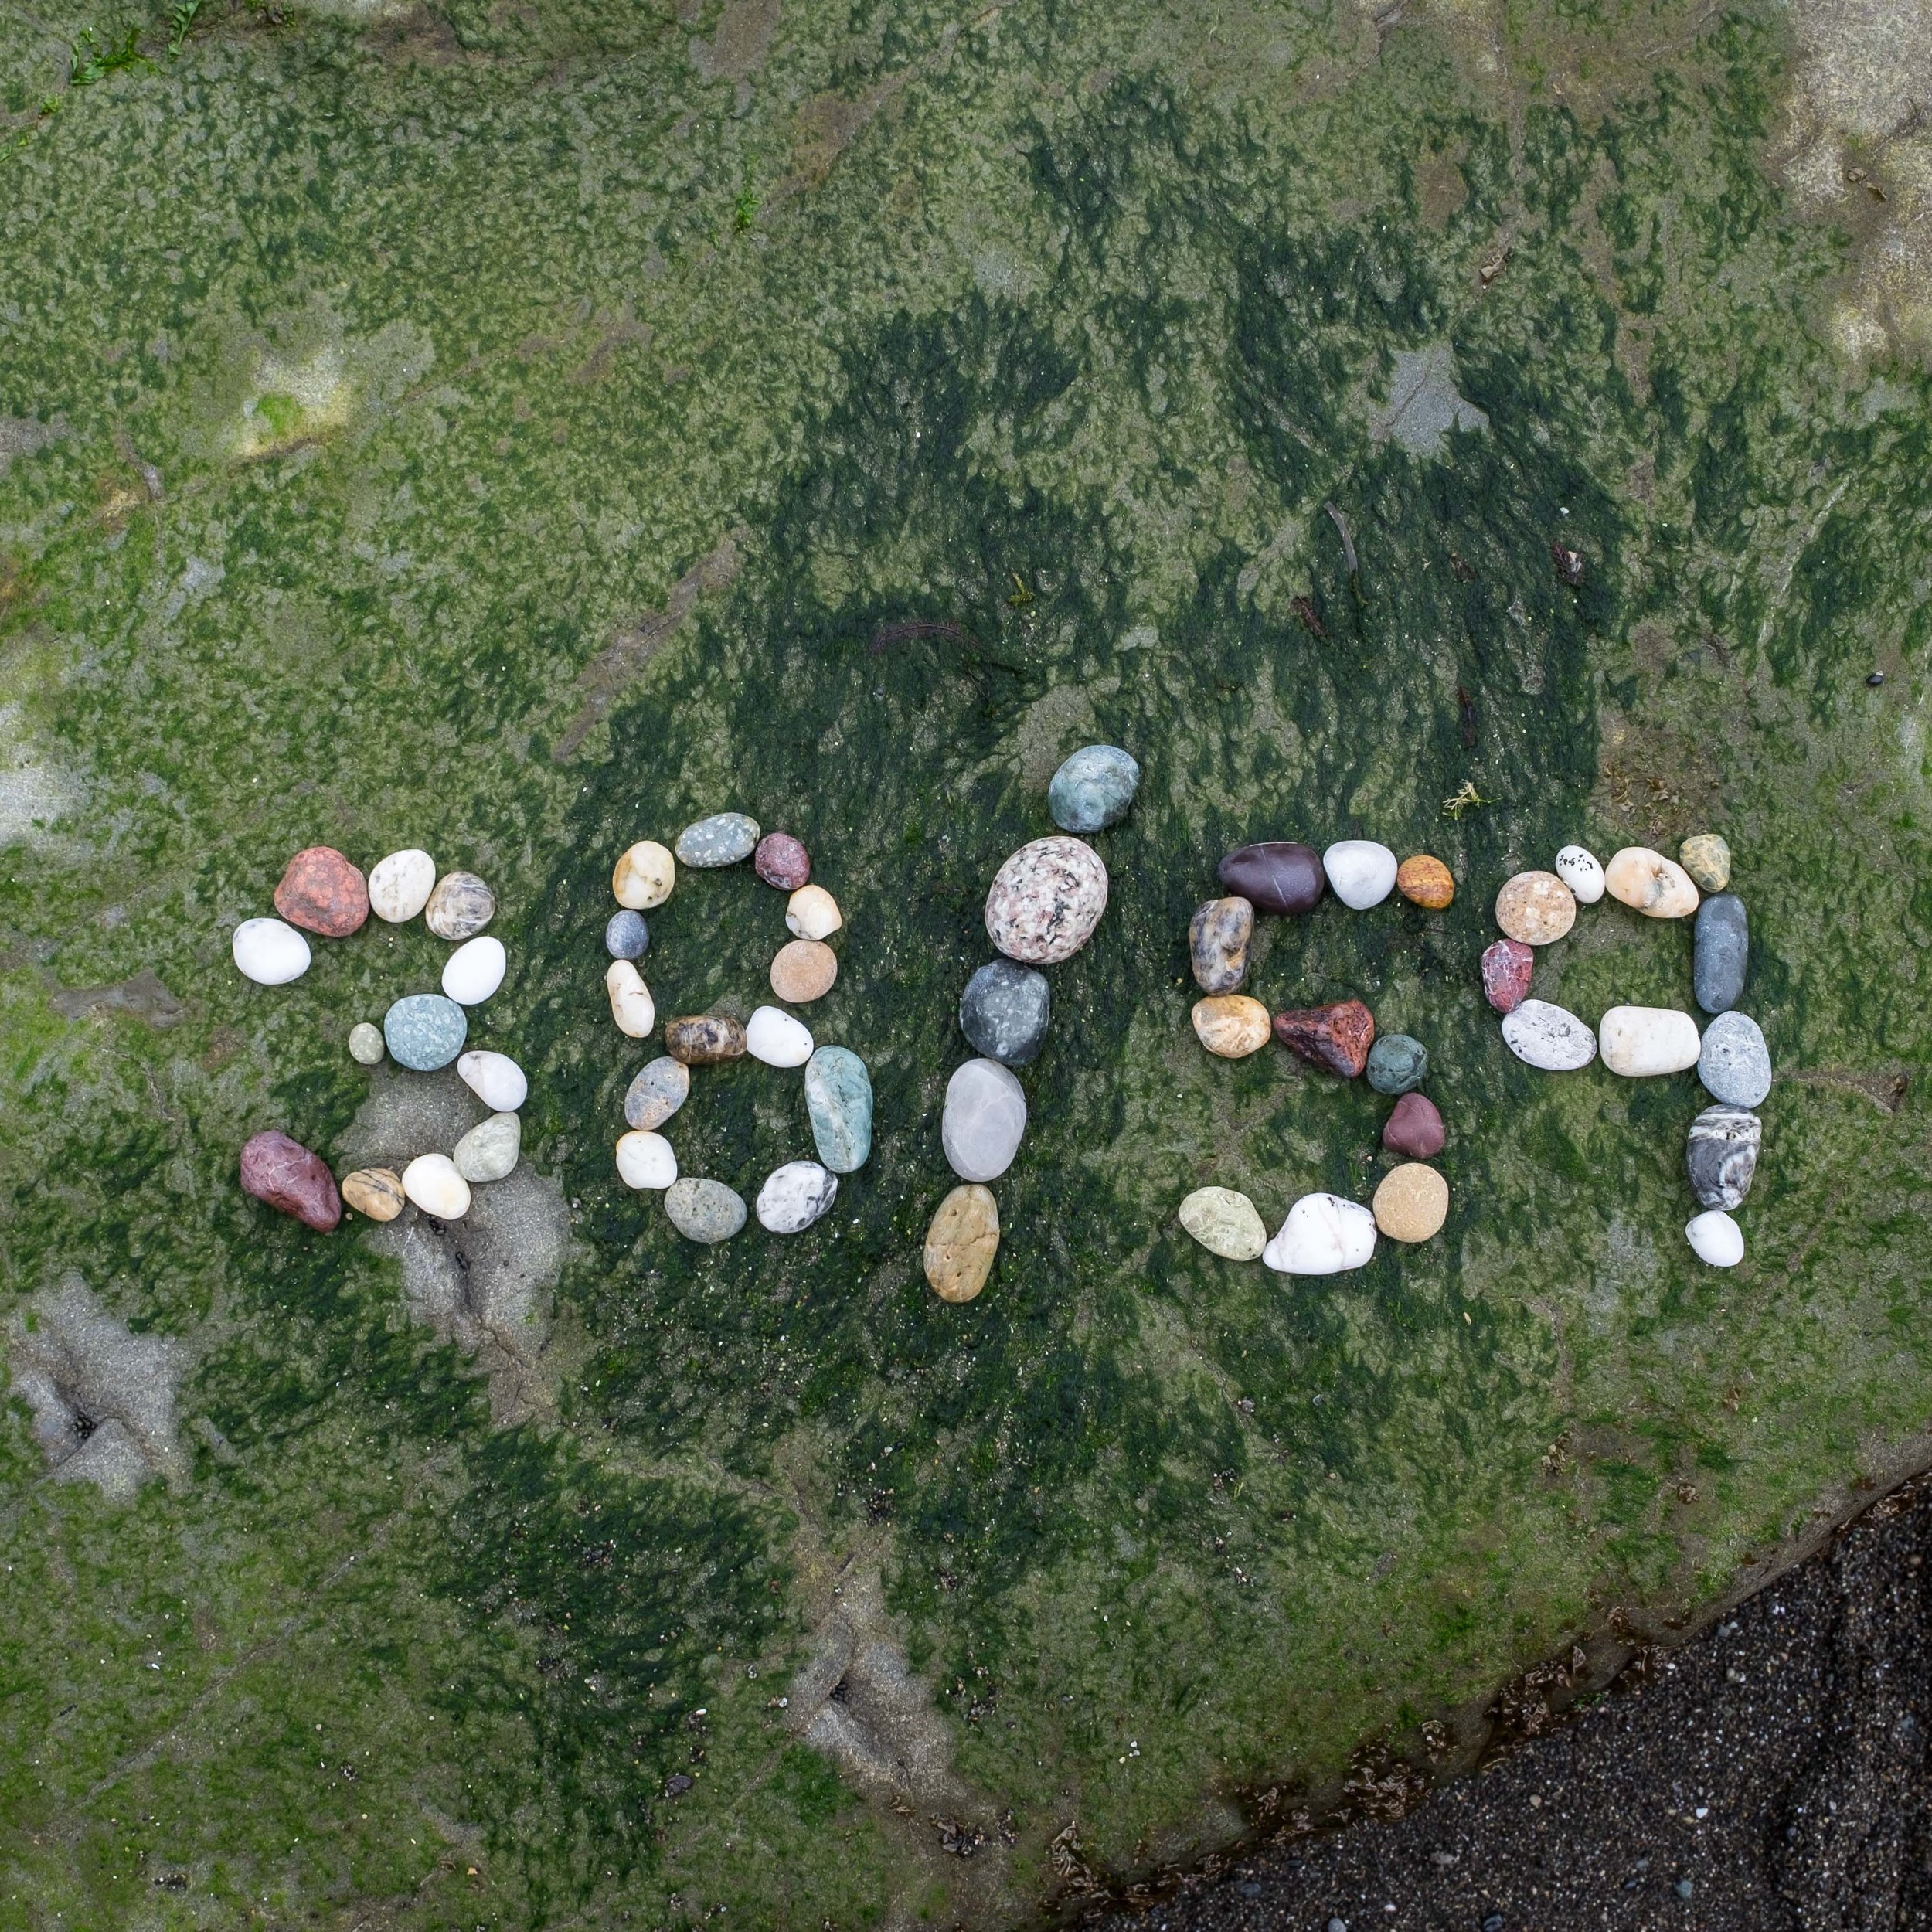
{"x": 838, "y": 1099}
{"x": 1094, "y": 789}
{"x": 424, "y": 1031}
{"x": 1397, "y": 1064}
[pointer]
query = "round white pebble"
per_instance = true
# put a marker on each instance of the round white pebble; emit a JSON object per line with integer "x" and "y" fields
{"x": 1361, "y": 873}
{"x": 433, "y": 1183}
{"x": 1716, "y": 1238}
{"x": 774, "y": 1036}
{"x": 400, "y": 885}
{"x": 646, "y": 1160}
{"x": 495, "y": 1079}
{"x": 269, "y": 952}
{"x": 1578, "y": 868}
{"x": 474, "y": 971}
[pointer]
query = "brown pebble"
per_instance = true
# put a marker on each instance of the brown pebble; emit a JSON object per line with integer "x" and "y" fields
{"x": 961, "y": 1242}
{"x": 1415, "y": 1128}
{"x": 803, "y": 971}
{"x": 703, "y": 1039}
{"x": 1424, "y": 880}
{"x": 461, "y": 906}
{"x": 1231, "y": 1024}
{"x": 1412, "y": 1203}
{"x": 323, "y": 893}
{"x": 782, "y": 861}
{"x": 1337, "y": 1036}
{"x": 375, "y": 1191}
{"x": 284, "y": 1174}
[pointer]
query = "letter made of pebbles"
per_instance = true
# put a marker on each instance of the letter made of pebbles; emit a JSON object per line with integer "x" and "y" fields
{"x": 1046, "y": 900}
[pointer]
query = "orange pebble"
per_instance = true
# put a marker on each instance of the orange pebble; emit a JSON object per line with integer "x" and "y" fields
{"x": 1425, "y": 881}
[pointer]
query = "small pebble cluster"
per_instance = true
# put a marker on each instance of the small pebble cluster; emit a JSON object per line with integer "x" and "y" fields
{"x": 1733, "y": 1063}
{"x": 1045, "y": 902}
{"x": 323, "y": 892}
{"x": 1323, "y": 1233}
{"x": 838, "y": 1096}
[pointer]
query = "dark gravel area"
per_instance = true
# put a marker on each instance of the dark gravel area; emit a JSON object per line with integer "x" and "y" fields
{"x": 1772, "y": 1773}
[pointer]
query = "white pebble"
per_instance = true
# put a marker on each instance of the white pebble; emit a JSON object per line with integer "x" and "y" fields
{"x": 811, "y": 913}
{"x": 433, "y": 1183}
{"x": 1541, "y": 1035}
{"x": 776, "y": 1038}
{"x": 474, "y": 971}
{"x": 795, "y": 1195}
{"x": 1638, "y": 1041}
{"x": 1323, "y": 1234}
{"x": 269, "y": 952}
{"x": 1579, "y": 869}
{"x": 400, "y": 885}
{"x": 495, "y": 1079}
{"x": 1361, "y": 873}
{"x": 631, "y": 1005}
{"x": 1715, "y": 1237}
{"x": 646, "y": 1160}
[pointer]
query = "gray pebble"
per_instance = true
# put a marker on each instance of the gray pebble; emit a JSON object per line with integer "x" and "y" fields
{"x": 424, "y": 1031}
{"x": 705, "y": 1211}
{"x": 1721, "y": 1155}
{"x": 1094, "y": 789}
{"x": 490, "y": 1150}
{"x": 1723, "y": 952}
{"x": 722, "y": 839}
{"x": 1004, "y": 1011}
{"x": 1734, "y": 1063}
{"x": 1397, "y": 1064}
{"x": 658, "y": 1092}
{"x": 626, "y": 936}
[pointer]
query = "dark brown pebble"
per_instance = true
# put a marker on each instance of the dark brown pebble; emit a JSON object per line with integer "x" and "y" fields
{"x": 1278, "y": 875}
{"x": 1415, "y": 1128}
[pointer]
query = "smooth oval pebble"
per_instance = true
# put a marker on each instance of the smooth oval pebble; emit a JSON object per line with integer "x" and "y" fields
{"x": 626, "y": 936}
{"x": 495, "y": 1079}
{"x": 1004, "y": 1011}
{"x": 1545, "y": 1035}
{"x": 722, "y": 839}
{"x": 795, "y": 1195}
{"x": 1323, "y": 1234}
{"x": 1734, "y": 1063}
{"x": 1414, "y": 1127}
{"x": 1046, "y": 901}
{"x": 400, "y": 885}
{"x": 643, "y": 876}
{"x": 774, "y": 1036}
{"x": 1425, "y": 880}
{"x": 660, "y": 1089}
{"x": 1093, "y": 789}
{"x": 1720, "y": 1155}
{"x": 1706, "y": 856}
{"x": 1715, "y": 1238}
{"x": 1232, "y": 1025}
{"x": 461, "y": 906}
{"x": 782, "y": 861}
{"x": 322, "y": 890}
{"x": 1397, "y": 1062}
{"x": 424, "y": 1031}
{"x": 983, "y": 1120}
{"x": 375, "y": 1191}
{"x": 366, "y": 1045}
{"x": 1279, "y": 876}
{"x": 704, "y": 1039}
{"x": 1721, "y": 952}
{"x": 1535, "y": 908}
{"x": 706, "y": 1211}
{"x": 838, "y": 1101}
{"x": 803, "y": 970}
{"x": 433, "y": 1183}
{"x": 631, "y": 1005}
{"x": 645, "y": 1160}
{"x": 474, "y": 971}
{"x": 961, "y": 1242}
{"x": 1658, "y": 887}
{"x": 1580, "y": 868}
{"x": 811, "y": 913}
{"x": 283, "y": 1174}
{"x": 1639, "y": 1041}
{"x": 269, "y": 952}
{"x": 1412, "y": 1202}
{"x": 1506, "y": 965}
{"x": 1225, "y": 1222}
{"x": 490, "y": 1150}
{"x": 1360, "y": 872}
{"x": 1217, "y": 942}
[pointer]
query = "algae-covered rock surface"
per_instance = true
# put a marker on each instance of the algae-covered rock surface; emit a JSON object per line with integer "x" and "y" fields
{"x": 519, "y": 432}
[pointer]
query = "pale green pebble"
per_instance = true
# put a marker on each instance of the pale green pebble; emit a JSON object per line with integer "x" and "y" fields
{"x": 1707, "y": 857}
{"x": 838, "y": 1100}
{"x": 489, "y": 1151}
{"x": 366, "y": 1044}
{"x": 1397, "y": 1064}
{"x": 1225, "y": 1222}
{"x": 1093, "y": 789}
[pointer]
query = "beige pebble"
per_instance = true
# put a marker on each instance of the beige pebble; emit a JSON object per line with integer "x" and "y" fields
{"x": 1658, "y": 887}
{"x": 803, "y": 971}
{"x": 1535, "y": 908}
{"x": 811, "y": 913}
{"x": 631, "y": 1005}
{"x": 961, "y": 1242}
{"x": 1231, "y": 1024}
{"x": 644, "y": 876}
{"x": 376, "y": 1192}
{"x": 433, "y": 1183}
{"x": 400, "y": 885}
{"x": 1225, "y": 1222}
{"x": 1412, "y": 1203}
{"x": 1706, "y": 856}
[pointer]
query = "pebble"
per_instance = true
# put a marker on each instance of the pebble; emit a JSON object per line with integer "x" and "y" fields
{"x": 1706, "y": 856}
{"x": 645, "y": 1160}
{"x": 1720, "y": 1155}
{"x": 1231, "y": 1024}
{"x": 1046, "y": 901}
{"x": 782, "y": 861}
{"x": 773, "y": 1035}
{"x": 985, "y": 1117}
{"x": 1735, "y": 1064}
{"x": 626, "y": 936}
{"x": 643, "y": 876}
{"x": 1337, "y": 1036}
{"x": 838, "y": 1101}
{"x": 1721, "y": 952}
{"x": 1658, "y": 887}
{"x": 474, "y": 971}
{"x": 461, "y": 906}
{"x": 424, "y": 1031}
{"x": 803, "y": 970}
{"x": 1414, "y": 1128}
{"x": 321, "y": 891}
{"x": 631, "y": 1005}
{"x": 704, "y": 1039}
{"x": 1541, "y": 1035}
{"x": 1323, "y": 1234}
{"x": 811, "y": 913}
{"x": 400, "y": 885}
{"x": 1277, "y": 876}
{"x": 366, "y": 1045}
{"x": 1217, "y": 938}
{"x": 795, "y": 1195}
{"x": 1225, "y": 1222}
{"x": 433, "y": 1183}
{"x": 1535, "y": 908}
{"x": 705, "y": 1211}
{"x": 1507, "y": 966}
{"x": 1425, "y": 880}
{"x": 1641, "y": 1041}
{"x": 1412, "y": 1202}
{"x": 376, "y": 1192}
{"x": 1004, "y": 1011}
{"x": 1580, "y": 869}
{"x": 660, "y": 1088}
{"x": 489, "y": 1151}
{"x": 1361, "y": 873}
{"x": 961, "y": 1242}
{"x": 1396, "y": 1063}
{"x": 1093, "y": 789}
{"x": 268, "y": 952}
{"x": 722, "y": 839}
{"x": 284, "y": 1174}
{"x": 495, "y": 1079}
{"x": 1716, "y": 1238}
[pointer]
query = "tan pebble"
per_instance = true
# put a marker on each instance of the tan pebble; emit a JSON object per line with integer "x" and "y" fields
{"x": 1706, "y": 856}
{"x": 1412, "y": 1203}
{"x": 803, "y": 971}
{"x": 1231, "y": 1024}
{"x": 374, "y": 1191}
{"x": 811, "y": 913}
{"x": 1425, "y": 880}
{"x": 961, "y": 1242}
{"x": 1658, "y": 887}
{"x": 644, "y": 876}
{"x": 1536, "y": 907}
{"x": 631, "y": 1005}
{"x": 433, "y": 1183}
{"x": 1225, "y": 1222}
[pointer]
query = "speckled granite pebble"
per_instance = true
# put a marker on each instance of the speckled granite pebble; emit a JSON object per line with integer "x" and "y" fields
{"x": 722, "y": 839}
{"x": 1046, "y": 901}
{"x": 424, "y": 1031}
{"x": 1735, "y": 1063}
{"x": 1004, "y": 1011}
{"x": 704, "y": 1211}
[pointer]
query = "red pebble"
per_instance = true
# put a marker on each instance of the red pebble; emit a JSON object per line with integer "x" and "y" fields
{"x": 1415, "y": 1128}
{"x": 1337, "y": 1037}
{"x": 284, "y": 1174}
{"x": 1506, "y": 967}
{"x": 322, "y": 891}
{"x": 782, "y": 861}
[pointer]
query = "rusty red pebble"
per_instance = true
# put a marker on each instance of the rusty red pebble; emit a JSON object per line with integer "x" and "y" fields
{"x": 1337, "y": 1037}
{"x": 782, "y": 861}
{"x": 1415, "y": 1128}
{"x": 323, "y": 893}
{"x": 286, "y": 1175}
{"x": 1506, "y": 967}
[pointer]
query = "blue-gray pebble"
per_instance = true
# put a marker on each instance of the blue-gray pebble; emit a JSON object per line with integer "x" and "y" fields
{"x": 626, "y": 936}
{"x": 1004, "y": 1011}
{"x": 1094, "y": 789}
{"x": 1735, "y": 1064}
{"x": 722, "y": 839}
{"x": 838, "y": 1101}
{"x": 1723, "y": 952}
{"x": 424, "y": 1031}
{"x": 1397, "y": 1064}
